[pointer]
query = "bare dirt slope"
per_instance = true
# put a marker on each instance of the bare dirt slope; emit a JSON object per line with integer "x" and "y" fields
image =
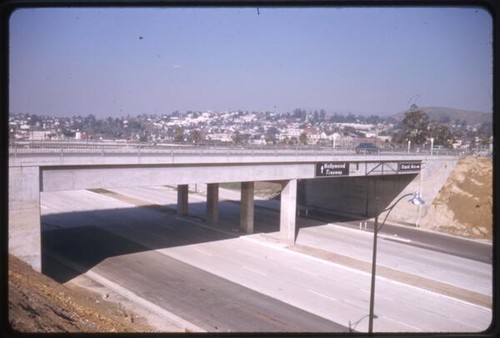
{"x": 464, "y": 205}
{"x": 39, "y": 304}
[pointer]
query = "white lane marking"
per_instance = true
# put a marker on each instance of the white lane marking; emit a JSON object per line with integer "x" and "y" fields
{"x": 395, "y": 238}
{"x": 322, "y": 295}
{"x": 255, "y": 271}
{"x": 304, "y": 271}
{"x": 390, "y": 319}
{"x": 203, "y": 251}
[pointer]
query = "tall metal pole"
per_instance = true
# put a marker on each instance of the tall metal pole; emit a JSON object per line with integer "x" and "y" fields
{"x": 415, "y": 200}
{"x": 374, "y": 268}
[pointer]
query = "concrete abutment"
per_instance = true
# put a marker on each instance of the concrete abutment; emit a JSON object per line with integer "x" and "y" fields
{"x": 24, "y": 215}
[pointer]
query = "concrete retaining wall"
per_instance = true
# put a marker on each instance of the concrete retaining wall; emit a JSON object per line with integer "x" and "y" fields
{"x": 355, "y": 197}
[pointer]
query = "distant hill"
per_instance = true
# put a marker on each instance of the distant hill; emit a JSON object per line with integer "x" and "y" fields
{"x": 473, "y": 118}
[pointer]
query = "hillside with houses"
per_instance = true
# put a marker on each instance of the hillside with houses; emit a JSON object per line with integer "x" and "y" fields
{"x": 444, "y": 128}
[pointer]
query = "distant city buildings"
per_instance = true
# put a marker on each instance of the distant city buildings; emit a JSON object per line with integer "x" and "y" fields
{"x": 231, "y": 127}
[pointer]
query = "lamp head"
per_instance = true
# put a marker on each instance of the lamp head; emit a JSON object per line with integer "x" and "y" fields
{"x": 416, "y": 199}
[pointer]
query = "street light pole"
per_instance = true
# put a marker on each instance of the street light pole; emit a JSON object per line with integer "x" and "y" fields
{"x": 415, "y": 200}
{"x": 374, "y": 271}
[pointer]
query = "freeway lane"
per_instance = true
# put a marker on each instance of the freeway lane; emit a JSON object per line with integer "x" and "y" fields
{"x": 204, "y": 299}
{"x": 438, "y": 265}
{"x": 112, "y": 242}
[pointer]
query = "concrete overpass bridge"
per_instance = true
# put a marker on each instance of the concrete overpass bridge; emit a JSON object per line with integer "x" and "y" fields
{"x": 32, "y": 171}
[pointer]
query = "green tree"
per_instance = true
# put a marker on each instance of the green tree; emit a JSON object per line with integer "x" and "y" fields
{"x": 178, "y": 134}
{"x": 322, "y": 115}
{"x": 315, "y": 118}
{"x": 196, "y": 136}
{"x": 237, "y": 138}
{"x": 442, "y": 135}
{"x": 35, "y": 120}
{"x": 303, "y": 138}
{"x": 415, "y": 127}
{"x": 271, "y": 135}
{"x": 484, "y": 132}
{"x": 373, "y": 119}
{"x": 300, "y": 114}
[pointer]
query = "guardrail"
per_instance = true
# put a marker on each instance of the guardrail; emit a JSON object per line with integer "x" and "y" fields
{"x": 179, "y": 150}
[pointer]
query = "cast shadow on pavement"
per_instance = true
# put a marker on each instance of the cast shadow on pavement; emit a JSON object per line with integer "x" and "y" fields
{"x": 75, "y": 242}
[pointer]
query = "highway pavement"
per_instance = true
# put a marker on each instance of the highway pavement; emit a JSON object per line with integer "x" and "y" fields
{"x": 110, "y": 243}
{"x": 457, "y": 246}
{"x": 153, "y": 253}
{"x": 448, "y": 259}
{"x": 205, "y": 300}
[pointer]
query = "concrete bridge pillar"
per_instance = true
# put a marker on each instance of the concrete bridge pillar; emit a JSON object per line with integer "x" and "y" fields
{"x": 25, "y": 239}
{"x": 182, "y": 199}
{"x": 247, "y": 207}
{"x": 213, "y": 203}
{"x": 288, "y": 211}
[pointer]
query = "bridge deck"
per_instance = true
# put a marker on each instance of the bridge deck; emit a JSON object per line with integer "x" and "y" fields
{"x": 127, "y": 156}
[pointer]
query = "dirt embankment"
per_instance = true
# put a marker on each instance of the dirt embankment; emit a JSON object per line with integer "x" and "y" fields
{"x": 464, "y": 205}
{"x": 39, "y": 304}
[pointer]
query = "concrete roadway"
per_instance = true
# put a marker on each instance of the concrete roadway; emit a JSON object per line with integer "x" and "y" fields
{"x": 205, "y": 300}
{"x": 99, "y": 241}
{"x": 471, "y": 249}
{"x": 395, "y": 252}
{"x": 335, "y": 292}
{"x": 456, "y": 246}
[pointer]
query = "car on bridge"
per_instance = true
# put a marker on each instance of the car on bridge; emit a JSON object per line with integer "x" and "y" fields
{"x": 367, "y": 148}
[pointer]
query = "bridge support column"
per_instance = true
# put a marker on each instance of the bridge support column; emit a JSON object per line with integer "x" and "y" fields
{"x": 213, "y": 203}
{"x": 25, "y": 238}
{"x": 182, "y": 199}
{"x": 288, "y": 212}
{"x": 247, "y": 207}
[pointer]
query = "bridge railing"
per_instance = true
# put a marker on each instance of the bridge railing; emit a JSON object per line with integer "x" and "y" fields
{"x": 138, "y": 149}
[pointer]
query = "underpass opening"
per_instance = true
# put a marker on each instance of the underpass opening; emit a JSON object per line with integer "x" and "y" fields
{"x": 345, "y": 199}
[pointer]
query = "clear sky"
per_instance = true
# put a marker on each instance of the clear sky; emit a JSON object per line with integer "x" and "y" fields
{"x": 114, "y": 62}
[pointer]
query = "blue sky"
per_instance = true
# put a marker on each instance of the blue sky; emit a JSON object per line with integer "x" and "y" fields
{"x": 113, "y": 62}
